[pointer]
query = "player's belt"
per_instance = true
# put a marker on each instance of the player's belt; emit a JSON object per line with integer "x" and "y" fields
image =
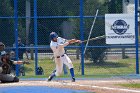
{"x": 60, "y": 56}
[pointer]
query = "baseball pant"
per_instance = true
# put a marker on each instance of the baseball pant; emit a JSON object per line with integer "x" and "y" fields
{"x": 59, "y": 64}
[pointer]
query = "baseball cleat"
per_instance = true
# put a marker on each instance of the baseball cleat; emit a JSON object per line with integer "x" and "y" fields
{"x": 73, "y": 79}
{"x": 50, "y": 78}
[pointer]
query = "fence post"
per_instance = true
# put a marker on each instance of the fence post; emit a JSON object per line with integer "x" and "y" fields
{"x": 35, "y": 36}
{"x": 28, "y": 15}
{"x": 77, "y": 53}
{"x": 123, "y": 53}
{"x": 137, "y": 41}
{"x": 82, "y": 36}
{"x": 16, "y": 33}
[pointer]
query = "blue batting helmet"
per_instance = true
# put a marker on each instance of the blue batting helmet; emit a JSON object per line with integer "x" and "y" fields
{"x": 53, "y": 35}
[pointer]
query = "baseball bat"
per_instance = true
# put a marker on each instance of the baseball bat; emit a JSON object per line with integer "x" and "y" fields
{"x": 91, "y": 30}
{"x": 95, "y": 38}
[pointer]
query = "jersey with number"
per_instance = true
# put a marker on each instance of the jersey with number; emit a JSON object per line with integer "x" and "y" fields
{"x": 58, "y": 47}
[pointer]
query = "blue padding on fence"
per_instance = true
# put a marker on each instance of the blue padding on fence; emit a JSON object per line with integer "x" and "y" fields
{"x": 108, "y": 46}
{"x": 52, "y": 17}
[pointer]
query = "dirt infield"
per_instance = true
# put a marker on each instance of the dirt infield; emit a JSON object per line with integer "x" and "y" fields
{"x": 98, "y": 86}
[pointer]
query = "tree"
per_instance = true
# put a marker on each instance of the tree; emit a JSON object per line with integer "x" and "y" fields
{"x": 53, "y": 8}
{"x": 115, "y": 6}
{"x": 6, "y": 25}
{"x": 90, "y": 8}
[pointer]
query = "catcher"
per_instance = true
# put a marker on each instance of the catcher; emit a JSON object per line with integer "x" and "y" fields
{"x": 6, "y": 69}
{"x": 57, "y": 45}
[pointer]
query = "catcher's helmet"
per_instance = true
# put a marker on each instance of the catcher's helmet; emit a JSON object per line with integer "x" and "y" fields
{"x": 53, "y": 35}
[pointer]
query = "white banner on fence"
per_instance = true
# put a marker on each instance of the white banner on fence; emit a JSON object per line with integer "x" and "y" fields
{"x": 120, "y": 28}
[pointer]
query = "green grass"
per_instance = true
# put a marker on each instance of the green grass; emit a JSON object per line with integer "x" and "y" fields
{"x": 131, "y": 85}
{"x": 92, "y": 70}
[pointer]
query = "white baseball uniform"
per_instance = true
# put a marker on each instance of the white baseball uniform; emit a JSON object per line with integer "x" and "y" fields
{"x": 59, "y": 55}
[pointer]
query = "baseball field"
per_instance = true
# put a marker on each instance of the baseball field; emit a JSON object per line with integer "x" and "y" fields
{"x": 104, "y": 80}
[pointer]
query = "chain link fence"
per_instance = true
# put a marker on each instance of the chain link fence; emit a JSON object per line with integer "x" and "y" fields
{"x": 66, "y": 18}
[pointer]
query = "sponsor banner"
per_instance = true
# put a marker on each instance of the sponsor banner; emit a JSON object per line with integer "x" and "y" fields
{"x": 120, "y": 28}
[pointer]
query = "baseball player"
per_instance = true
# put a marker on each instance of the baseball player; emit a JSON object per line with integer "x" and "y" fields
{"x": 57, "y": 45}
{"x": 6, "y": 70}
